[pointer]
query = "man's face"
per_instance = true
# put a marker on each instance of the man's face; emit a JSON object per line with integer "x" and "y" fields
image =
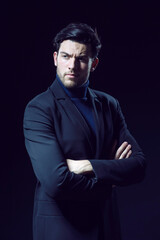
{"x": 74, "y": 63}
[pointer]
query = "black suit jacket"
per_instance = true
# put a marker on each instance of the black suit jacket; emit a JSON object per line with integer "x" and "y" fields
{"x": 68, "y": 205}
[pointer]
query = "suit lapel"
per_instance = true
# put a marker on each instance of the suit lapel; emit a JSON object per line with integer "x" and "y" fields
{"x": 72, "y": 110}
{"x": 99, "y": 121}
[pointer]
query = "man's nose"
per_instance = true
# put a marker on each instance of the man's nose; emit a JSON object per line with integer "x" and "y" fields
{"x": 73, "y": 64}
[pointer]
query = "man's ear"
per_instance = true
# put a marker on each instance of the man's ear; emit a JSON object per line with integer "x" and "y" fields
{"x": 94, "y": 64}
{"x": 55, "y": 58}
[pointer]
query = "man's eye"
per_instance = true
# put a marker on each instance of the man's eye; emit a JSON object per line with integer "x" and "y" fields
{"x": 82, "y": 59}
{"x": 65, "y": 56}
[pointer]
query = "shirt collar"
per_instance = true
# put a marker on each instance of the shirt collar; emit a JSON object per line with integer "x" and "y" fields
{"x": 79, "y": 92}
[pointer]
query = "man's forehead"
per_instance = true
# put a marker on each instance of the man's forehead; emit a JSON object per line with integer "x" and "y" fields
{"x": 73, "y": 47}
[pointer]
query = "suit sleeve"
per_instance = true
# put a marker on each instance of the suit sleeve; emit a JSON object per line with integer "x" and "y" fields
{"x": 123, "y": 171}
{"x": 47, "y": 158}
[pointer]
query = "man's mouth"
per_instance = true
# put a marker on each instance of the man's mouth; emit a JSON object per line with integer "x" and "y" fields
{"x": 71, "y": 75}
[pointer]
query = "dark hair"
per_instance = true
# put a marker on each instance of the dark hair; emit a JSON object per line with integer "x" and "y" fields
{"x": 79, "y": 32}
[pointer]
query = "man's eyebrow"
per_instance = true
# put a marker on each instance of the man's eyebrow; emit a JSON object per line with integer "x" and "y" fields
{"x": 83, "y": 54}
{"x": 65, "y": 53}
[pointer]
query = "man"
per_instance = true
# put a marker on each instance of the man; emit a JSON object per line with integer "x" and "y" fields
{"x": 79, "y": 145}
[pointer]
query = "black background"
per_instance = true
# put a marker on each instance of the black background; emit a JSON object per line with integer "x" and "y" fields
{"x": 128, "y": 70}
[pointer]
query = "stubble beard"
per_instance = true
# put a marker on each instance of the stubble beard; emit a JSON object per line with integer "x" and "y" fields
{"x": 69, "y": 82}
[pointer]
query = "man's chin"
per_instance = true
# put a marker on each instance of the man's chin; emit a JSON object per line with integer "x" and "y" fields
{"x": 69, "y": 83}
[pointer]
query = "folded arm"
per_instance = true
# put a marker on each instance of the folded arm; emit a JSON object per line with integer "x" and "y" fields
{"x": 85, "y": 167}
{"x": 56, "y": 174}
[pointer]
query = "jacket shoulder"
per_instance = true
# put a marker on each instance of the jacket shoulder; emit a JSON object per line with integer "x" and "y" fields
{"x": 44, "y": 99}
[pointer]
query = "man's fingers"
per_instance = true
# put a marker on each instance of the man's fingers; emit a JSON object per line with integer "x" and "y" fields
{"x": 125, "y": 152}
{"x": 121, "y": 149}
{"x": 129, "y": 154}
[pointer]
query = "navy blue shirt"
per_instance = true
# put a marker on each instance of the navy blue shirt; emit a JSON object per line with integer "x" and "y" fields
{"x": 79, "y": 98}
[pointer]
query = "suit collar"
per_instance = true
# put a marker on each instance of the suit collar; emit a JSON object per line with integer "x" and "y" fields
{"x": 57, "y": 90}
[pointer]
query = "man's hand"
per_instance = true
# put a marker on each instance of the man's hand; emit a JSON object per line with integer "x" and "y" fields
{"x": 79, "y": 166}
{"x": 124, "y": 151}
